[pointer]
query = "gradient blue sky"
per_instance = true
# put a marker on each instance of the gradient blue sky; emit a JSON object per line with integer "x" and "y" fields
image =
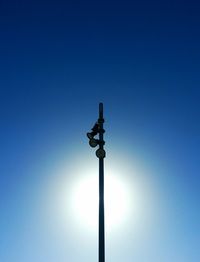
{"x": 58, "y": 60}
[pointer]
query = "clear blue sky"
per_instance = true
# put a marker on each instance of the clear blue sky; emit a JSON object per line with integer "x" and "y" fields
{"x": 58, "y": 60}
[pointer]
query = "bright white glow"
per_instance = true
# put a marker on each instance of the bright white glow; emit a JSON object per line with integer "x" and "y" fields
{"x": 84, "y": 201}
{"x": 72, "y": 198}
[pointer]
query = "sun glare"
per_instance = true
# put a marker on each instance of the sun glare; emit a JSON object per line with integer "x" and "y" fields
{"x": 84, "y": 201}
{"x": 72, "y": 198}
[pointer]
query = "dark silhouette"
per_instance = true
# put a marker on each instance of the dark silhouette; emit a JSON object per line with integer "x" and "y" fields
{"x": 100, "y": 153}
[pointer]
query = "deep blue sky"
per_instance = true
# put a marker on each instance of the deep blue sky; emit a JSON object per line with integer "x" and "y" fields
{"x": 58, "y": 60}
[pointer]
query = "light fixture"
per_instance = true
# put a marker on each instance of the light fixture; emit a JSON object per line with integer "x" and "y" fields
{"x": 91, "y": 135}
{"x": 93, "y": 142}
{"x": 95, "y": 130}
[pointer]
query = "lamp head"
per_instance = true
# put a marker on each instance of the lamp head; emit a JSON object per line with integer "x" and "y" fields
{"x": 94, "y": 132}
{"x": 93, "y": 142}
{"x": 91, "y": 135}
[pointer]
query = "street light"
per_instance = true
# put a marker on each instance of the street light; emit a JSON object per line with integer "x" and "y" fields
{"x": 101, "y": 154}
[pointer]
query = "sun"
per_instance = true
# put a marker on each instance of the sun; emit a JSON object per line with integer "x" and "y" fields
{"x": 84, "y": 201}
{"x": 71, "y": 199}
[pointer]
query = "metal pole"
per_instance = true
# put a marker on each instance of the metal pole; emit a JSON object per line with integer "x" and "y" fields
{"x": 101, "y": 189}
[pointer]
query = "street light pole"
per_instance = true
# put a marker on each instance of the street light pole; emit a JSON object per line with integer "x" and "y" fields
{"x": 101, "y": 189}
{"x": 100, "y": 153}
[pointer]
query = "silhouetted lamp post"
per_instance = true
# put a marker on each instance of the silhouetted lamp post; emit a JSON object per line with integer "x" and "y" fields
{"x": 100, "y": 153}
